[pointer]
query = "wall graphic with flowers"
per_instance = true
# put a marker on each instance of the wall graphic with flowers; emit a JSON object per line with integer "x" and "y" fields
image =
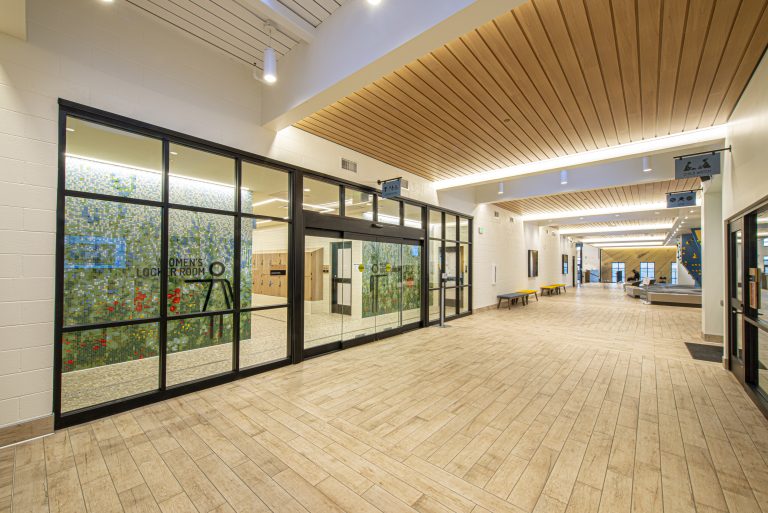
{"x": 112, "y": 268}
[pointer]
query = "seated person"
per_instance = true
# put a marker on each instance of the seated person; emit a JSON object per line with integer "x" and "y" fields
{"x": 635, "y": 275}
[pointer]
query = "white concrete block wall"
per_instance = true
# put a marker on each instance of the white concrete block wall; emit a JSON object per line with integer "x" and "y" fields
{"x": 506, "y": 244}
{"x": 116, "y": 58}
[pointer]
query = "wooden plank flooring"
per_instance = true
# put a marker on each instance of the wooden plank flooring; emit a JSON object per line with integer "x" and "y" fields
{"x": 584, "y": 402}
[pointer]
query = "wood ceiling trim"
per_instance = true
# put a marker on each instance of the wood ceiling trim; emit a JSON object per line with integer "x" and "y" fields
{"x": 557, "y": 77}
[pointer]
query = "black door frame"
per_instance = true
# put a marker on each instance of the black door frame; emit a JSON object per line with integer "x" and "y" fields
{"x": 335, "y": 280}
{"x": 746, "y": 373}
{"x": 735, "y": 305}
{"x": 366, "y": 235}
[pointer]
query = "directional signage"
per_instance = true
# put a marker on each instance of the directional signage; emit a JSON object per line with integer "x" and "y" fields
{"x": 390, "y": 188}
{"x": 681, "y": 199}
{"x": 697, "y": 165}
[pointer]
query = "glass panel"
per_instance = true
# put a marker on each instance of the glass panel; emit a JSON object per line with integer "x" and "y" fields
{"x": 762, "y": 361}
{"x": 463, "y": 229}
{"x": 107, "y": 364}
{"x": 264, "y": 191}
{"x": 200, "y": 259}
{"x": 201, "y": 179}
{"x": 451, "y": 227}
{"x": 199, "y": 348}
{"x": 451, "y": 298}
{"x": 106, "y": 160}
{"x": 435, "y": 262}
{"x": 387, "y": 279}
{"x": 263, "y": 336}
{"x": 389, "y": 211}
{"x": 355, "y": 282}
{"x": 464, "y": 300}
{"x": 451, "y": 249}
{"x": 435, "y": 224}
{"x": 327, "y": 295}
{"x": 413, "y": 216}
{"x": 263, "y": 263}
{"x": 111, "y": 261}
{"x": 737, "y": 265}
{"x": 321, "y": 197}
{"x": 411, "y": 283}
{"x": 464, "y": 257}
{"x": 358, "y": 204}
{"x": 762, "y": 262}
{"x": 738, "y": 320}
{"x": 434, "y": 305}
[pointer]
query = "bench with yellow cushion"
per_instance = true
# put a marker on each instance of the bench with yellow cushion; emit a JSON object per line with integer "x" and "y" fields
{"x": 548, "y": 290}
{"x": 529, "y": 292}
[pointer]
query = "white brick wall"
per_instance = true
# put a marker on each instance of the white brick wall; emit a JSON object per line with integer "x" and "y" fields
{"x": 112, "y": 57}
{"x": 506, "y": 244}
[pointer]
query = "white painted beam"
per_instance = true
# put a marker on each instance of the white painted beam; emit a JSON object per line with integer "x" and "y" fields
{"x": 359, "y": 43}
{"x": 681, "y": 142}
{"x": 284, "y": 18}
{"x": 13, "y": 18}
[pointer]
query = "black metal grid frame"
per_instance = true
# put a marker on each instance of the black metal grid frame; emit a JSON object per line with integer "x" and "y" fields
{"x": 454, "y": 239}
{"x": 746, "y": 220}
{"x": 296, "y": 227}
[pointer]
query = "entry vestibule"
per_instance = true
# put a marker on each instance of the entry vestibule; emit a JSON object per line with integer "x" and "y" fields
{"x": 182, "y": 264}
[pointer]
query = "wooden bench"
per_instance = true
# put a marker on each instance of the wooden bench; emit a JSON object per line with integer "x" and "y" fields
{"x": 530, "y": 292}
{"x": 548, "y": 290}
{"x": 512, "y": 298}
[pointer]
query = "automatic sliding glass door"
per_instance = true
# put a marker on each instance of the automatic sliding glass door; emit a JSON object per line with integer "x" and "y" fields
{"x": 357, "y": 290}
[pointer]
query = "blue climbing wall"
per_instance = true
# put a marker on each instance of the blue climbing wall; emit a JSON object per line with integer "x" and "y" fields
{"x": 690, "y": 253}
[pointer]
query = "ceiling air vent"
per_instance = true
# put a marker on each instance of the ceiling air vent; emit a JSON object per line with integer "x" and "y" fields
{"x": 349, "y": 165}
{"x": 404, "y": 184}
{"x": 496, "y": 214}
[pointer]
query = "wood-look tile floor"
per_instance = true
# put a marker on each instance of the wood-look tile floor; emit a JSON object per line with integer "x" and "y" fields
{"x": 582, "y": 402}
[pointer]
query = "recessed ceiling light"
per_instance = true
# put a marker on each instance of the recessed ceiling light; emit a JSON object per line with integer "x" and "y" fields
{"x": 581, "y": 218}
{"x": 691, "y": 211}
{"x": 107, "y": 1}
{"x": 374, "y": 2}
{"x": 501, "y": 188}
{"x": 563, "y": 177}
{"x": 307, "y": 190}
{"x": 70, "y": 129}
{"x": 656, "y": 212}
{"x": 174, "y": 153}
{"x": 686, "y": 217}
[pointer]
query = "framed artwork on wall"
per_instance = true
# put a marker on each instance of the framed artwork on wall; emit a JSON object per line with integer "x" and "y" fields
{"x": 533, "y": 263}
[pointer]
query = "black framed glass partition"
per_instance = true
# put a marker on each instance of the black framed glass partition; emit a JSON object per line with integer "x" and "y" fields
{"x": 450, "y": 252}
{"x": 183, "y": 264}
{"x": 167, "y": 275}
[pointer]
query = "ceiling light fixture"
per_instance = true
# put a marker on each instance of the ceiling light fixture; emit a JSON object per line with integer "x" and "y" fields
{"x": 501, "y": 188}
{"x": 374, "y": 2}
{"x": 563, "y": 177}
{"x": 270, "y": 59}
{"x": 647, "y": 165}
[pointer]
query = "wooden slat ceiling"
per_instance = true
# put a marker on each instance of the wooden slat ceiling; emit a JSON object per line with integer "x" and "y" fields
{"x": 313, "y": 12}
{"x": 555, "y": 77}
{"x": 629, "y": 225}
{"x": 609, "y": 197}
{"x": 226, "y": 25}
